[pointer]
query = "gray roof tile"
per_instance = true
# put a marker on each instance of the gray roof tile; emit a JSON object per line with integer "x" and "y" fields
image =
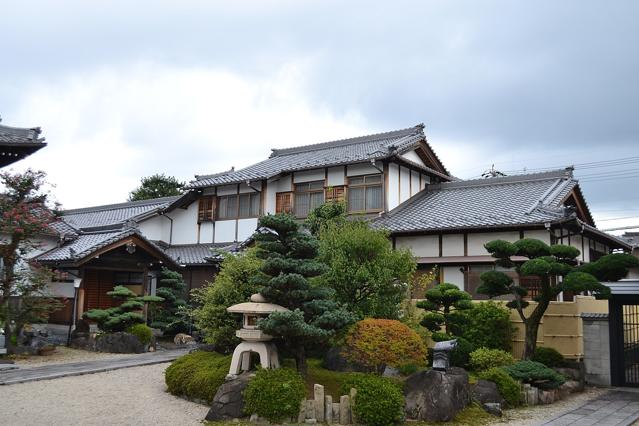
{"x": 18, "y": 135}
{"x": 494, "y": 202}
{"x": 345, "y": 151}
{"x": 197, "y": 254}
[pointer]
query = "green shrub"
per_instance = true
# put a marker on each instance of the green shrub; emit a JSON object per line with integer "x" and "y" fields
{"x": 142, "y": 332}
{"x": 460, "y": 356}
{"x": 535, "y": 373}
{"x": 509, "y": 388}
{"x": 488, "y": 326}
{"x": 197, "y": 375}
{"x": 275, "y": 394}
{"x": 379, "y": 401}
{"x": 549, "y": 357}
{"x": 484, "y": 358}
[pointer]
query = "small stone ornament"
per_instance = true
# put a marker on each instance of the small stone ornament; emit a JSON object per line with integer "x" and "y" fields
{"x": 441, "y": 354}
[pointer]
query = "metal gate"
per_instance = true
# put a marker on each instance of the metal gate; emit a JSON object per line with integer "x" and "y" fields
{"x": 624, "y": 341}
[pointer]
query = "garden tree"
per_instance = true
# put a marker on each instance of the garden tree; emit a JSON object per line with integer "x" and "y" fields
{"x": 166, "y": 315}
{"x": 127, "y": 314}
{"x": 556, "y": 268}
{"x": 232, "y": 285}
{"x": 289, "y": 261}
{"x": 25, "y": 215}
{"x": 156, "y": 186}
{"x": 444, "y": 305}
{"x": 366, "y": 273}
{"x": 320, "y": 217}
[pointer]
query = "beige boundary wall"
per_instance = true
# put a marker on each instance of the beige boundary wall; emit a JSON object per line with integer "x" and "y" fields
{"x": 561, "y": 328}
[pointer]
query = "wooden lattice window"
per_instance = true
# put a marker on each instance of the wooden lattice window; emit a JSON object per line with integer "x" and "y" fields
{"x": 284, "y": 202}
{"x": 335, "y": 194}
{"x": 206, "y": 209}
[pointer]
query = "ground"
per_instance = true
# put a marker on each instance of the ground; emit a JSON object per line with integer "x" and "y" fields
{"x": 64, "y": 355}
{"x": 120, "y": 397}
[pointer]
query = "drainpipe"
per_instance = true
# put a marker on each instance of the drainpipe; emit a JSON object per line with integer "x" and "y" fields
{"x": 375, "y": 165}
{"x": 76, "y": 287}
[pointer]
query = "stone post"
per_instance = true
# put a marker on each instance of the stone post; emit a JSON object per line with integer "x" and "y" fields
{"x": 328, "y": 409}
{"x": 302, "y": 416}
{"x": 336, "y": 411}
{"x": 318, "y": 394}
{"x": 344, "y": 410}
{"x": 310, "y": 409}
{"x": 596, "y": 348}
{"x": 352, "y": 399}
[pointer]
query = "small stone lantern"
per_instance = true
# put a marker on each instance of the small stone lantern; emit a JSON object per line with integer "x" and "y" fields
{"x": 441, "y": 354}
{"x": 254, "y": 340}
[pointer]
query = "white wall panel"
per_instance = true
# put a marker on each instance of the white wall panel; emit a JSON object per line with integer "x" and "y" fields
{"x": 414, "y": 183}
{"x": 404, "y": 187}
{"x": 227, "y": 190}
{"x": 362, "y": 169}
{"x": 155, "y": 228}
{"x": 225, "y": 231}
{"x": 420, "y": 246}
{"x": 476, "y": 241}
{"x": 412, "y": 156}
{"x": 185, "y": 224}
{"x": 393, "y": 185}
{"x": 453, "y": 275}
{"x": 206, "y": 232}
{"x": 309, "y": 175}
{"x": 245, "y": 188}
{"x": 282, "y": 184}
{"x": 336, "y": 176}
{"x": 246, "y": 228}
{"x": 453, "y": 244}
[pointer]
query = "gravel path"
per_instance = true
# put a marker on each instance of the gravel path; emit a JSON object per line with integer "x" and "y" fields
{"x": 130, "y": 396}
{"x": 64, "y": 355}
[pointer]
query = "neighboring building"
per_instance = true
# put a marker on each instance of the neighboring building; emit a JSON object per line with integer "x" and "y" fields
{"x": 17, "y": 143}
{"x": 393, "y": 178}
{"x": 632, "y": 238}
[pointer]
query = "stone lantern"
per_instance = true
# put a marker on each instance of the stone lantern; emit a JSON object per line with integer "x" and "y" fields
{"x": 253, "y": 339}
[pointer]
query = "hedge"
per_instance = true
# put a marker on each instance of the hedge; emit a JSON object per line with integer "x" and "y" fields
{"x": 197, "y": 375}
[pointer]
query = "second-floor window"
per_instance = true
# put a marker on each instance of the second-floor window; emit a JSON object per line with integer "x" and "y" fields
{"x": 308, "y": 195}
{"x": 238, "y": 206}
{"x": 365, "y": 194}
{"x": 206, "y": 209}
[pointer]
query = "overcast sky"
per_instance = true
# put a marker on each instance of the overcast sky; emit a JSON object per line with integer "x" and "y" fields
{"x": 126, "y": 89}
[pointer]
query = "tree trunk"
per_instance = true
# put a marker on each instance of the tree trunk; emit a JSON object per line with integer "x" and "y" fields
{"x": 300, "y": 360}
{"x": 532, "y": 328}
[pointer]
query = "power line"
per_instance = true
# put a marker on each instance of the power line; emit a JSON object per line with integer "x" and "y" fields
{"x": 617, "y": 218}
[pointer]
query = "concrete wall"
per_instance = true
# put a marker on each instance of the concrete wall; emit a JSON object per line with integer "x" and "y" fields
{"x": 597, "y": 350}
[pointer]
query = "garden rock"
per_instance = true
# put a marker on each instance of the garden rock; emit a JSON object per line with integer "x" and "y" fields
{"x": 335, "y": 361}
{"x": 391, "y": 372}
{"x": 436, "y": 396}
{"x": 228, "y": 402}
{"x": 547, "y": 396}
{"x": 486, "y": 392}
{"x": 493, "y": 408}
{"x": 119, "y": 343}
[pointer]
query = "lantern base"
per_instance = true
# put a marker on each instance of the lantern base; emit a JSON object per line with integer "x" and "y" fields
{"x": 241, "y": 360}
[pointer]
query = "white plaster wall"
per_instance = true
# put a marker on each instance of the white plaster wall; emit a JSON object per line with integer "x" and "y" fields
{"x": 425, "y": 181}
{"x": 206, "y": 232}
{"x": 453, "y": 275}
{"x": 225, "y": 231}
{"x": 335, "y": 176}
{"x": 414, "y": 185}
{"x": 404, "y": 186}
{"x": 476, "y": 241}
{"x": 185, "y": 224}
{"x": 393, "y": 186}
{"x": 412, "y": 156}
{"x": 227, "y": 190}
{"x": 586, "y": 253}
{"x": 453, "y": 244}
{"x": 420, "y": 246}
{"x": 246, "y": 228}
{"x": 361, "y": 169}
{"x": 245, "y": 188}
{"x": 282, "y": 184}
{"x": 309, "y": 175}
{"x": 575, "y": 241}
{"x": 156, "y": 228}
{"x": 538, "y": 234}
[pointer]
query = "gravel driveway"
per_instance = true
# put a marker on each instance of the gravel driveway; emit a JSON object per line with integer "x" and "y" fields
{"x": 130, "y": 396}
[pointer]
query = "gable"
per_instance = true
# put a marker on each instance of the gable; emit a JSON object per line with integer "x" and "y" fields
{"x": 413, "y": 157}
{"x": 576, "y": 200}
{"x": 429, "y": 158}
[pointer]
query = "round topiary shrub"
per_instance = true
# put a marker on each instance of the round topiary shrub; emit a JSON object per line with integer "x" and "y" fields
{"x": 275, "y": 394}
{"x": 197, "y": 375}
{"x": 142, "y": 332}
{"x": 509, "y": 388}
{"x": 379, "y": 401}
{"x": 483, "y": 358}
{"x": 488, "y": 326}
{"x": 536, "y": 374}
{"x": 460, "y": 356}
{"x": 376, "y": 343}
{"x": 549, "y": 357}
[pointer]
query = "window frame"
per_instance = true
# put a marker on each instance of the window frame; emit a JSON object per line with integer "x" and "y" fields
{"x": 236, "y": 215}
{"x": 308, "y": 193}
{"x": 365, "y": 185}
{"x": 207, "y": 215}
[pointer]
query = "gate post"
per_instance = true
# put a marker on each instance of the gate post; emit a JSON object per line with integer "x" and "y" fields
{"x": 596, "y": 348}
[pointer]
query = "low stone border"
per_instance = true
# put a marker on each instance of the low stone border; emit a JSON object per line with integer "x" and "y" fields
{"x": 322, "y": 409}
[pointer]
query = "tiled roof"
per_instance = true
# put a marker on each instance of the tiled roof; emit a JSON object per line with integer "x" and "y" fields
{"x": 502, "y": 201}
{"x": 345, "y": 151}
{"x": 113, "y": 214}
{"x": 196, "y": 254}
{"x": 63, "y": 229}
{"x": 17, "y": 135}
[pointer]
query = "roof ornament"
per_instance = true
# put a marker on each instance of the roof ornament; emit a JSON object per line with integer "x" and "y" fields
{"x": 72, "y": 253}
{"x": 492, "y": 173}
{"x": 131, "y": 224}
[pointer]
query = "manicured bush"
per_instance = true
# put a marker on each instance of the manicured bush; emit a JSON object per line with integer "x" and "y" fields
{"x": 535, "y": 373}
{"x": 275, "y": 394}
{"x": 460, "y": 356}
{"x": 549, "y": 357}
{"x": 379, "y": 401}
{"x": 197, "y": 375}
{"x": 509, "y": 388}
{"x": 488, "y": 326}
{"x": 142, "y": 332}
{"x": 483, "y": 358}
{"x": 376, "y": 343}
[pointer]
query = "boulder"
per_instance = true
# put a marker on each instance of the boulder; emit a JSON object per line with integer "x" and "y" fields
{"x": 391, "y": 372}
{"x": 119, "y": 343}
{"x": 493, "y": 408}
{"x": 228, "y": 402}
{"x": 547, "y": 396}
{"x": 335, "y": 361}
{"x": 486, "y": 392}
{"x": 436, "y": 396}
